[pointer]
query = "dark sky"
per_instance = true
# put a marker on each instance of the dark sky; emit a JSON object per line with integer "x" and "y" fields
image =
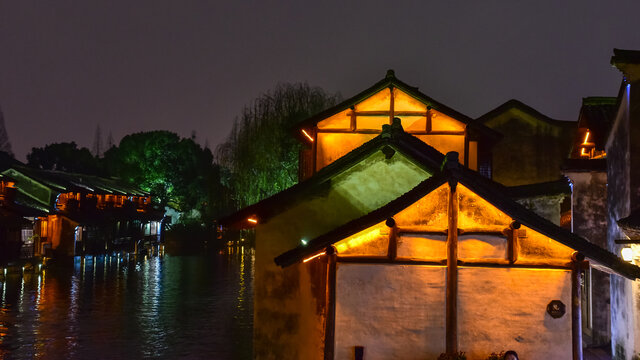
{"x": 67, "y": 66}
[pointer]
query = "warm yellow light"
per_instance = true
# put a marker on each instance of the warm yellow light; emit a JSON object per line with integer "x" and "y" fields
{"x": 360, "y": 239}
{"x": 307, "y": 135}
{"x": 252, "y": 220}
{"x": 313, "y": 257}
{"x": 586, "y": 138}
{"x": 583, "y": 153}
{"x": 627, "y": 254}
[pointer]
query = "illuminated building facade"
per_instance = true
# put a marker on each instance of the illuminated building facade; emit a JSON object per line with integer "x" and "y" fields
{"x": 389, "y": 248}
{"x": 77, "y": 214}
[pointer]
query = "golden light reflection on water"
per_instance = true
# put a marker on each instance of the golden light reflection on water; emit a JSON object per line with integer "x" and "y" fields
{"x": 168, "y": 307}
{"x": 241, "y": 288}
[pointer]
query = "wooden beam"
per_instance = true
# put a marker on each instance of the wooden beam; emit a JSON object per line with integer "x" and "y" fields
{"x": 499, "y": 234}
{"x": 330, "y": 327}
{"x": 480, "y": 263}
{"x": 384, "y": 113}
{"x": 576, "y": 308}
{"x": 451, "y": 321}
{"x": 386, "y": 260}
{"x": 375, "y": 131}
{"x": 504, "y": 264}
{"x": 428, "y": 119}
{"x": 445, "y": 132}
{"x": 489, "y": 229}
{"x": 421, "y": 230}
{"x": 348, "y": 131}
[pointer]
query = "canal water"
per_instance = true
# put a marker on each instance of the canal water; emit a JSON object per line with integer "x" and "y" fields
{"x": 167, "y": 307}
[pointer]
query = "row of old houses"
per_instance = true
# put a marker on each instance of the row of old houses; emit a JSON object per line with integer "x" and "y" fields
{"x": 58, "y": 214}
{"x": 416, "y": 230}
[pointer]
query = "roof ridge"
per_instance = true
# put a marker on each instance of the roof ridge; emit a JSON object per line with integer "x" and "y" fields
{"x": 390, "y": 80}
{"x": 515, "y": 103}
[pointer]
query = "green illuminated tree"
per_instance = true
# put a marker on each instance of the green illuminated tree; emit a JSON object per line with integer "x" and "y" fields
{"x": 260, "y": 155}
{"x": 178, "y": 172}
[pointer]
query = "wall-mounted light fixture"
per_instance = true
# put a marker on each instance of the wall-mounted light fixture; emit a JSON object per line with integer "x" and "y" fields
{"x": 313, "y": 257}
{"x": 307, "y": 135}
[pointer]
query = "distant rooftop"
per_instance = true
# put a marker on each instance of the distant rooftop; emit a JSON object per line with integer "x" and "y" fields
{"x": 621, "y": 56}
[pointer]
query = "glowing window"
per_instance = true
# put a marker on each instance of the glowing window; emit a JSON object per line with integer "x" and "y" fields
{"x": 44, "y": 231}
{"x": 422, "y": 247}
{"x": 333, "y": 146}
{"x": 414, "y": 123}
{"x": 373, "y": 241}
{"x": 473, "y": 155}
{"x": 442, "y": 122}
{"x": 380, "y": 101}
{"x": 445, "y": 143}
{"x": 482, "y": 247}
{"x": 340, "y": 121}
{"x": 371, "y": 122}
{"x": 405, "y": 102}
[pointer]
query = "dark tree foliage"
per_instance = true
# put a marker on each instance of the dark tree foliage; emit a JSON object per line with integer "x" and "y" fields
{"x": 178, "y": 172}
{"x": 5, "y": 144}
{"x": 260, "y": 154}
{"x": 64, "y": 157}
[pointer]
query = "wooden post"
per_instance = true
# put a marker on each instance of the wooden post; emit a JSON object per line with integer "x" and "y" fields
{"x": 314, "y": 151}
{"x": 466, "y": 147}
{"x": 452, "y": 274}
{"x": 512, "y": 242}
{"x": 576, "y": 311}
{"x": 428, "y": 119}
{"x": 330, "y": 328}
{"x": 353, "y": 119}
{"x": 391, "y": 105}
{"x": 392, "y": 253}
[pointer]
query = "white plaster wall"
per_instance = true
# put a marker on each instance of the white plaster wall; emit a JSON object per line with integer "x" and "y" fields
{"x": 636, "y": 311}
{"x": 505, "y": 309}
{"x": 394, "y": 311}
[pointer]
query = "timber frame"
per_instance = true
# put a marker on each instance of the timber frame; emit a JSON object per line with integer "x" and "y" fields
{"x": 391, "y": 82}
{"x": 307, "y": 131}
{"x": 492, "y": 192}
{"x": 453, "y": 174}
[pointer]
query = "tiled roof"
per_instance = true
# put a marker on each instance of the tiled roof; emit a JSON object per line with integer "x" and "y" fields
{"x": 490, "y": 191}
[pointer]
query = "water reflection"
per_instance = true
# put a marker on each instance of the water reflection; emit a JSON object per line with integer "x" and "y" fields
{"x": 110, "y": 307}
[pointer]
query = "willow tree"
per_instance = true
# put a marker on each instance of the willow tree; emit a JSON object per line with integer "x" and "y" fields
{"x": 260, "y": 154}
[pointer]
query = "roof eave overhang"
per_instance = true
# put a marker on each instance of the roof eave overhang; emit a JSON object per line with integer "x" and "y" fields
{"x": 505, "y": 204}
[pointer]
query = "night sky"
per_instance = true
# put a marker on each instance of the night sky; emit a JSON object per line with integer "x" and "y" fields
{"x": 67, "y": 66}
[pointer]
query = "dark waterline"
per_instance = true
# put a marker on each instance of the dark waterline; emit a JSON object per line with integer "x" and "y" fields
{"x": 171, "y": 307}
